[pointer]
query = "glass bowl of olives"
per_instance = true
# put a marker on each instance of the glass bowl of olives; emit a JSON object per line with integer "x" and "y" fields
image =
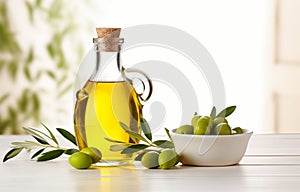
{"x": 210, "y": 140}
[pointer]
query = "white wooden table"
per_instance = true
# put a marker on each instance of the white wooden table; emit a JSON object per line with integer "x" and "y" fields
{"x": 271, "y": 163}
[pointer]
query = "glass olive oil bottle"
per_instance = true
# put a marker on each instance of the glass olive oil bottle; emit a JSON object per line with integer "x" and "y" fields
{"x": 106, "y": 99}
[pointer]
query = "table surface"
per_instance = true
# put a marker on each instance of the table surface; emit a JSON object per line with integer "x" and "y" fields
{"x": 271, "y": 163}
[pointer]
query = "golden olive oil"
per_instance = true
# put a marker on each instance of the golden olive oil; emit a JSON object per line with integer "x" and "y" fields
{"x": 99, "y": 108}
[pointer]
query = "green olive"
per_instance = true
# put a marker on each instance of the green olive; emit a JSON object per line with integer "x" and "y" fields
{"x": 185, "y": 129}
{"x": 222, "y": 129}
{"x": 238, "y": 130}
{"x": 80, "y": 160}
{"x": 206, "y": 117}
{"x": 178, "y": 159}
{"x": 195, "y": 120}
{"x": 219, "y": 120}
{"x": 202, "y": 127}
{"x": 167, "y": 158}
{"x": 93, "y": 152}
{"x": 150, "y": 160}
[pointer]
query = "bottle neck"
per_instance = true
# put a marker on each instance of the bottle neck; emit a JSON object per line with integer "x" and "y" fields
{"x": 108, "y": 64}
{"x": 109, "y": 69}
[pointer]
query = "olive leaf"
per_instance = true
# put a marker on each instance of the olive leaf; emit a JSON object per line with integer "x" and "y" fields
{"x": 51, "y": 155}
{"x": 134, "y": 148}
{"x": 66, "y": 134}
{"x": 119, "y": 147}
{"x": 71, "y": 151}
{"x": 164, "y": 144}
{"x": 168, "y": 133}
{"x": 211, "y": 120}
{"x": 227, "y": 111}
{"x": 133, "y": 134}
{"x": 146, "y": 129}
{"x": 51, "y": 134}
{"x": 112, "y": 140}
{"x": 141, "y": 154}
{"x": 36, "y": 133}
{"x": 28, "y": 145}
{"x": 37, "y": 153}
{"x": 213, "y": 113}
{"x": 41, "y": 141}
{"x": 12, "y": 153}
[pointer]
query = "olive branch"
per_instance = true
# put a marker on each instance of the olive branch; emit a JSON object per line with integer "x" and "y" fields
{"x": 46, "y": 141}
{"x": 140, "y": 149}
{"x": 43, "y": 142}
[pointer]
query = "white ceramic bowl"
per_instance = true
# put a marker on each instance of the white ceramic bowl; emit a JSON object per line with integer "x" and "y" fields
{"x": 211, "y": 150}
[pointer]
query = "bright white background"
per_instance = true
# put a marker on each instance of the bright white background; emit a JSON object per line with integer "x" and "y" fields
{"x": 233, "y": 31}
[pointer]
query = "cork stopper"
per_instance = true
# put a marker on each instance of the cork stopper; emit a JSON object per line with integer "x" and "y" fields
{"x": 108, "y": 32}
{"x": 108, "y": 39}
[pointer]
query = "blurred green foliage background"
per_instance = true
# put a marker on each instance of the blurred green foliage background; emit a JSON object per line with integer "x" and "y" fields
{"x": 38, "y": 60}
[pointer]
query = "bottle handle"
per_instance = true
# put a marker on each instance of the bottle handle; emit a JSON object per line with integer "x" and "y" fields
{"x": 143, "y": 96}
